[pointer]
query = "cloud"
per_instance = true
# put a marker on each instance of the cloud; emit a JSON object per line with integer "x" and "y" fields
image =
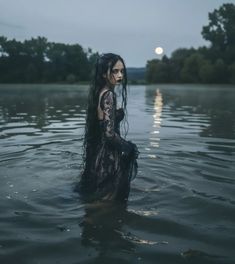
{"x": 10, "y": 25}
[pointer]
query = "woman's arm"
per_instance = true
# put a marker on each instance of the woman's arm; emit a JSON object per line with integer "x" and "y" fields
{"x": 108, "y": 107}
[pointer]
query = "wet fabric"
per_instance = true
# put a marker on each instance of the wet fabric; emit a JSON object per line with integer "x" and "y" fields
{"x": 115, "y": 163}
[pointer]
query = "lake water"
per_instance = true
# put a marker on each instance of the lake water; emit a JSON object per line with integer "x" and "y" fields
{"x": 181, "y": 207}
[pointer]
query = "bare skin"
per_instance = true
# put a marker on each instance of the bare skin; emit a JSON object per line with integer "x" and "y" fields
{"x": 113, "y": 77}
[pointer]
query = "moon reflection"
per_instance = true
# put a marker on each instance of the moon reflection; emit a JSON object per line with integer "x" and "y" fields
{"x": 158, "y": 104}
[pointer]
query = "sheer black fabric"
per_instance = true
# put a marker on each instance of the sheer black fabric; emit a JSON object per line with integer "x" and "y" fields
{"x": 115, "y": 163}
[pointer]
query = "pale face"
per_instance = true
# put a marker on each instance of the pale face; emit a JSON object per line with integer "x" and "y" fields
{"x": 115, "y": 76}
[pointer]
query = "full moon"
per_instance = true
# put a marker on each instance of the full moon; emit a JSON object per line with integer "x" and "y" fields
{"x": 159, "y": 50}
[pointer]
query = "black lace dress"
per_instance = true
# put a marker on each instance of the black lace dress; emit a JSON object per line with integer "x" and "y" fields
{"x": 115, "y": 163}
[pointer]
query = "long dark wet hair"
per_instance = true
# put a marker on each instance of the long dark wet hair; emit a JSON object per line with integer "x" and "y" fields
{"x": 92, "y": 137}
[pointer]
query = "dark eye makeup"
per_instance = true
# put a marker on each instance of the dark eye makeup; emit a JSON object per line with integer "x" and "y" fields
{"x": 115, "y": 71}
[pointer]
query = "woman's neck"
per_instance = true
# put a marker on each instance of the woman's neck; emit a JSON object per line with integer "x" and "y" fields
{"x": 109, "y": 86}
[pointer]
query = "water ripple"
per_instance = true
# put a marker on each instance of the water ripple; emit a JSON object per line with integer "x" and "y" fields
{"x": 181, "y": 205}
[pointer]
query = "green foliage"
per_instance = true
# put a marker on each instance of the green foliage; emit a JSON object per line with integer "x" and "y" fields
{"x": 177, "y": 60}
{"x": 220, "y": 71}
{"x": 37, "y": 60}
{"x": 206, "y": 72}
{"x": 221, "y": 29}
{"x": 191, "y": 68}
{"x": 158, "y": 70}
{"x": 214, "y": 64}
{"x": 232, "y": 73}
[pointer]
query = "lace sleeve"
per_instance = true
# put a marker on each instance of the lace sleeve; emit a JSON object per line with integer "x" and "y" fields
{"x": 108, "y": 107}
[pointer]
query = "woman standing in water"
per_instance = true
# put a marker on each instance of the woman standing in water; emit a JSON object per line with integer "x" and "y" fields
{"x": 109, "y": 161}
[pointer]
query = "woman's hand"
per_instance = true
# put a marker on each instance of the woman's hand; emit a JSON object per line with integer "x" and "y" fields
{"x": 135, "y": 150}
{"x": 120, "y": 114}
{"x": 130, "y": 151}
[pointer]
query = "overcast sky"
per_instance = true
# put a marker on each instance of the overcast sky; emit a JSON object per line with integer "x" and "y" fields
{"x": 131, "y": 28}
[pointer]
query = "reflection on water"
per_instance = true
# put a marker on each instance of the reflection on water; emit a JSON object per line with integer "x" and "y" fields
{"x": 181, "y": 206}
{"x": 154, "y": 140}
{"x": 40, "y": 108}
{"x": 102, "y": 229}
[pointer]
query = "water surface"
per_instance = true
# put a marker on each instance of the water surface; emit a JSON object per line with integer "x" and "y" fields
{"x": 181, "y": 205}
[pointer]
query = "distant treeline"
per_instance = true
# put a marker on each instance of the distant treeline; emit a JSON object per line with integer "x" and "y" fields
{"x": 136, "y": 75}
{"x": 40, "y": 61}
{"x": 214, "y": 64}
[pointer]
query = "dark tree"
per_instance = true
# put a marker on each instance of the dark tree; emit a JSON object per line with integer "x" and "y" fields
{"x": 221, "y": 32}
{"x": 37, "y": 60}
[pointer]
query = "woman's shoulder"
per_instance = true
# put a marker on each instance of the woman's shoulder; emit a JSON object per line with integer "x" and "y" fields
{"x": 105, "y": 95}
{"x": 105, "y": 91}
